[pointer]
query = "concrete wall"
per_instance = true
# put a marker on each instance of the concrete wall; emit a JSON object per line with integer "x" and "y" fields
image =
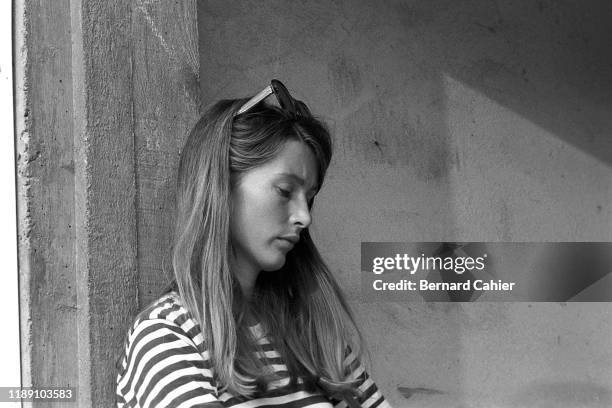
{"x": 102, "y": 87}
{"x": 46, "y": 196}
{"x": 452, "y": 121}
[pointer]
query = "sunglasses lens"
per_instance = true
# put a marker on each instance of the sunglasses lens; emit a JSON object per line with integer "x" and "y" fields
{"x": 282, "y": 94}
{"x": 284, "y": 99}
{"x": 302, "y": 109}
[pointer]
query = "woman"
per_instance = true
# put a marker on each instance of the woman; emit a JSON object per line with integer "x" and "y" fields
{"x": 254, "y": 316}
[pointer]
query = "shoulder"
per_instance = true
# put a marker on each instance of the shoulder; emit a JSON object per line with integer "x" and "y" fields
{"x": 164, "y": 356}
{"x": 167, "y": 306}
{"x": 164, "y": 326}
{"x": 166, "y": 314}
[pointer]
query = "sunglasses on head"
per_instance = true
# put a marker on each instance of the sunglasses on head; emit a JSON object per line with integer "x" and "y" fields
{"x": 284, "y": 98}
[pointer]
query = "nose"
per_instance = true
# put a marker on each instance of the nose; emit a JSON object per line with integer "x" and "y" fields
{"x": 300, "y": 213}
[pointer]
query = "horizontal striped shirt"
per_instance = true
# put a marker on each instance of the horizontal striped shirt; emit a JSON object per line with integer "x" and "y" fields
{"x": 165, "y": 364}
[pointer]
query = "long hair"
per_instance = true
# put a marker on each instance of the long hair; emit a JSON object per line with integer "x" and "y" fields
{"x": 301, "y": 304}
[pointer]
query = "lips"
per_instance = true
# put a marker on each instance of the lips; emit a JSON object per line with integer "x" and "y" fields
{"x": 294, "y": 239}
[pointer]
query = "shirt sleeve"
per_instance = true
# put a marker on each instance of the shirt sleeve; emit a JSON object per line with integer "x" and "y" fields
{"x": 162, "y": 367}
{"x": 370, "y": 397}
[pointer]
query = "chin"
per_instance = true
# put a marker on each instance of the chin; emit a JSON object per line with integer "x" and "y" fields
{"x": 274, "y": 265}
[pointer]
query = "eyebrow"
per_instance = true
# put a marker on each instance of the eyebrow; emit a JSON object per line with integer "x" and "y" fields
{"x": 298, "y": 180}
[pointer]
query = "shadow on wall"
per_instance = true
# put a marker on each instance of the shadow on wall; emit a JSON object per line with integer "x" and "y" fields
{"x": 513, "y": 180}
{"x": 547, "y": 61}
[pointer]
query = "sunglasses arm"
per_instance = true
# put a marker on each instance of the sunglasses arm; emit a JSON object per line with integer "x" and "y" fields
{"x": 267, "y": 91}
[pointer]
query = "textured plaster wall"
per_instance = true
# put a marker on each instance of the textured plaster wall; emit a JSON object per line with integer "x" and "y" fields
{"x": 452, "y": 121}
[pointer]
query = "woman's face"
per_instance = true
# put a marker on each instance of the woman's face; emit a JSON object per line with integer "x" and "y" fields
{"x": 270, "y": 209}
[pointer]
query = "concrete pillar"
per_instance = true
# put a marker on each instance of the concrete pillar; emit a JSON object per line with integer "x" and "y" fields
{"x": 97, "y": 81}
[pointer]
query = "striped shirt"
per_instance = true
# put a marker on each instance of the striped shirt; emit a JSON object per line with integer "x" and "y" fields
{"x": 165, "y": 364}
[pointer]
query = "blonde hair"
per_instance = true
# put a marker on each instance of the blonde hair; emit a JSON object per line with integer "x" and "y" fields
{"x": 301, "y": 303}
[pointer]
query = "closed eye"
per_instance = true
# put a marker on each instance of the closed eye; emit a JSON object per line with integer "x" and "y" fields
{"x": 284, "y": 193}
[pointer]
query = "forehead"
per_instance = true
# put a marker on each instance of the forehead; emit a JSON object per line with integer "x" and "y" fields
{"x": 295, "y": 161}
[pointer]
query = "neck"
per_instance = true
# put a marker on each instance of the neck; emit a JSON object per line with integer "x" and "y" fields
{"x": 247, "y": 288}
{"x": 246, "y": 275}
